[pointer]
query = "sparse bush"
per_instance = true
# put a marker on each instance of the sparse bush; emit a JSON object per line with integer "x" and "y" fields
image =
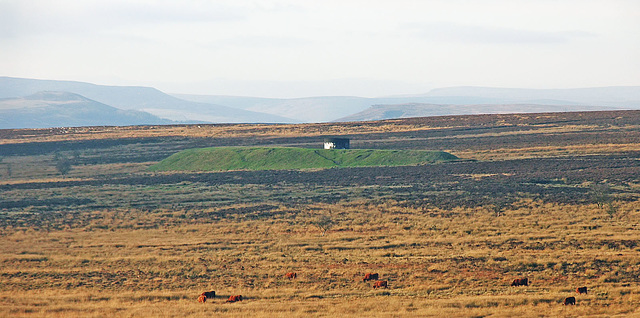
{"x": 63, "y": 164}
{"x": 323, "y": 222}
{"x": 611, "y": 208}
{"x": 601, "y": 194}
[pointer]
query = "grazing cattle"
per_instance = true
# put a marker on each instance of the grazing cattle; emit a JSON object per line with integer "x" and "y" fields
{"x": 570, "y": 301}
{"x": 520, "y": 282}
{"x": 380, "y": 284}
{"x": 209, "y": 294}
{"x": 234, "y": 298}
{"x": 581, "y": 290}
{"x": 202, "y": 299}
{"x": 370, "y": 276}
{"x": 291, "y": 275}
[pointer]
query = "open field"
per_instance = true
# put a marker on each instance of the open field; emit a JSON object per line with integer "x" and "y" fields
{"x": 458, "y": 261}
{"x": 550, "y": 197}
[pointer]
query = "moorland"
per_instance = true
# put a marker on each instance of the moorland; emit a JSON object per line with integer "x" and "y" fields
{"x": 87, "y": 230}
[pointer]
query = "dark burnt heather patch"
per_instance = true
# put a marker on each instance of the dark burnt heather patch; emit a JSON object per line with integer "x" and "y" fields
{"x": 576, "y": 170}
{"x": 264, "y": 194}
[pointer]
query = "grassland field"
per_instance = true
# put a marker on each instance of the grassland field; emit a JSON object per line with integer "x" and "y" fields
{"x": 551, "y": 197}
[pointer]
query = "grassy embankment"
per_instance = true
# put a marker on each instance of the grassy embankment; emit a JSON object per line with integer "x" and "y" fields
{"x": 263, "y": 158}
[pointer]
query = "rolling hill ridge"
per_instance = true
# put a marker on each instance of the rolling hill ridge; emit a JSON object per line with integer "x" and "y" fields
{"x": 139, "y": 98}
{"x": 437, "y": 102}
{"x": 186, "y": 108}
{"x": 62, "y": 109}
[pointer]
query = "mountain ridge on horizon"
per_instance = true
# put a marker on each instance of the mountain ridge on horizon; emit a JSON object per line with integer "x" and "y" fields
{"x": 546, "y": 100}
{"x": 431, "y": 92}
{"x": 247, "y": 109}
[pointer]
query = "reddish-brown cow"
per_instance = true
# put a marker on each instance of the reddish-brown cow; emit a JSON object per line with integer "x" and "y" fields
{"x": 570, "y": 301}
{"x": 520, "y": 282}
{"x": 380, "y": 284}
{"x": 291, "y": 275}
{"x": 234, "y": 298}
{"x": 202, "y": 299}
{"x": 370, "y": 276}
{"x": 581, "y": 290}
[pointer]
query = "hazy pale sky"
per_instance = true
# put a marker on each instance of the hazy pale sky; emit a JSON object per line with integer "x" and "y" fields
{"x": 281, "y": 48}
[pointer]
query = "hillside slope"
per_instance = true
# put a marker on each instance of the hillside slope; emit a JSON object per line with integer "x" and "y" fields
{"x": 61, "y": 109}
{"x": 259, "y": 158}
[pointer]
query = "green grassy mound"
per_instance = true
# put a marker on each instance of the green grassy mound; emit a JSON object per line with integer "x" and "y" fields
{"x": 258, "y": 158}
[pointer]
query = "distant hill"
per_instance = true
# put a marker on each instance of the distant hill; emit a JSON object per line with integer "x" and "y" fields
{"x": 617, "y": 96}
{"x": 380, "y": 112}
{"x": 310, "y": 109}
{"x": 237, "y": 109}
{"x": 145, "y": 99}
{"x": 62, "y": 109}
{"x": 324, "y": 108}
{"x": 444, "y": 101}
{"x": 257, "y": 158}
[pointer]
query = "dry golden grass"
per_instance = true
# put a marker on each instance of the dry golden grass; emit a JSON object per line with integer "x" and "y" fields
{"x": 150, "y": 246}
{"x": 458, "y": 263}
{"x": 208, "y": 131}
{"x": 548, "y": 151}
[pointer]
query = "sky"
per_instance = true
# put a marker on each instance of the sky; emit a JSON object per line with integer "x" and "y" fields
{"x": 298, "y": 48}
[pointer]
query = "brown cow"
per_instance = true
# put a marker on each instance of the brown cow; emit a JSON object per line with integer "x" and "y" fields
{"x": 370, "y": 276}
{"x": 234, "y": 298}
{"x": 291, "y": 275}
{"x": 210, "y": 294}
{"x": 581, "y": 290}
{"x": 202, "y": 299}
{"x": 520, "y": 282}
{"x": 380, "y": 284}
{"x": 570, "y": 301}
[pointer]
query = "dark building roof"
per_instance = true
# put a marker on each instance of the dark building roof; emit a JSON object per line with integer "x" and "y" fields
{"x": 337, "y": 143}
{"x": 336, "y": 140}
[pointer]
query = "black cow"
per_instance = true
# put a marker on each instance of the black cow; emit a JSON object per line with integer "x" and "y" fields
{"x": 570, "y": 301}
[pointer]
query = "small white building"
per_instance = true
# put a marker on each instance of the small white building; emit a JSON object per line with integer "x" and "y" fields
{"x": 336, "y": 143}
